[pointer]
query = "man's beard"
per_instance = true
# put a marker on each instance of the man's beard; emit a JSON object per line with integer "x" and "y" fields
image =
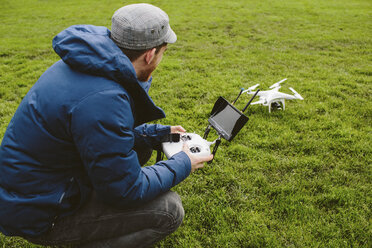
{"x": 145, "y": 75}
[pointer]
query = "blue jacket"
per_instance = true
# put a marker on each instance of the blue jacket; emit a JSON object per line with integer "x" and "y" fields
{"x": 74, "y": 132}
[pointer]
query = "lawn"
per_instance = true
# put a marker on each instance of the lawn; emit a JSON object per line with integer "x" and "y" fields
{"x": 294, "y": 178}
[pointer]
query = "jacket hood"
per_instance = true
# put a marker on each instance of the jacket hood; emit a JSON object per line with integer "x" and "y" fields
{"x": 90, "y": 49}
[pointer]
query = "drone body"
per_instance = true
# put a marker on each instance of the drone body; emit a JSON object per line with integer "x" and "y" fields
{"x": 273, "y": 98}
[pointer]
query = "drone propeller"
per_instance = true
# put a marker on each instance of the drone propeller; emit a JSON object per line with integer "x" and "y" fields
{"x": 298, "y": 96}
{"x": 251, "y": 88}
{"x": 277, "y": 84}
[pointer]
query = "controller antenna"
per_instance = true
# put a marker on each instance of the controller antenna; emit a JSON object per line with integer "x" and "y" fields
{"x": 246, "y": 106}
{"x": 241, "y": 91}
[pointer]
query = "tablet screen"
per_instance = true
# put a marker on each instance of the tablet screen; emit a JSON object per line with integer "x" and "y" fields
{"x": 226, "y": 119}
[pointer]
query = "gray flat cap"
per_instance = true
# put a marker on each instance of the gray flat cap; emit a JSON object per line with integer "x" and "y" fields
{"x": 141, "y": 26}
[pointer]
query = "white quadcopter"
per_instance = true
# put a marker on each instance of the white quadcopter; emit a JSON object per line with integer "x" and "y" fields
{"x": 273, "y": 97}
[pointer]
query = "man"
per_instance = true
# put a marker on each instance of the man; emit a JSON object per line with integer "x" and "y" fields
{"x": 70, "y": 159}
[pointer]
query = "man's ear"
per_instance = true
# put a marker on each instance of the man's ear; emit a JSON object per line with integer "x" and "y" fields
{"x": 150, "y": 55}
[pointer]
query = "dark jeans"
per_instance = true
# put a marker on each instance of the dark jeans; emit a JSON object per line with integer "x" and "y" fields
{"x": 100, "y": 225}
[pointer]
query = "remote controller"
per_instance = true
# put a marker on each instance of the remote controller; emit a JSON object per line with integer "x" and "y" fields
{"x": 225, "y": 118}
{"x": 197, "y": 145}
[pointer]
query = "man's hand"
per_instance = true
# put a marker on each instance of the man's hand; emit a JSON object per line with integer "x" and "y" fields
{"x": 177, "y": 129}
{"x": 196, "y": 162}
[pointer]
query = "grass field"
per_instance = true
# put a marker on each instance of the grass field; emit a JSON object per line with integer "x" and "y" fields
{"x": 294, "y": 178}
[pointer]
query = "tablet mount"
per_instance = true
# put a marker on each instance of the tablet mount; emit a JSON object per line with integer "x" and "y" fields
{"x": 225, "y": 118}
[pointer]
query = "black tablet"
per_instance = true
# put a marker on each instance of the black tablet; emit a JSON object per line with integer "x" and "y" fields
{"x": 226, "y": 119}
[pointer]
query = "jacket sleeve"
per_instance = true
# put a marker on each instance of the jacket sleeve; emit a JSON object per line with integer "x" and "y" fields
{"x": 102, "y": 127}
{"x": 150, "y": 135}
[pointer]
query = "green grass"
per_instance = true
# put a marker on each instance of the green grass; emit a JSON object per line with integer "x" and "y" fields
{"x": 294, "y": 178}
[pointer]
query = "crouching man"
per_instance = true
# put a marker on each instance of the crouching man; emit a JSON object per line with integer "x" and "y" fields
{"x": 70, "y": 159}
